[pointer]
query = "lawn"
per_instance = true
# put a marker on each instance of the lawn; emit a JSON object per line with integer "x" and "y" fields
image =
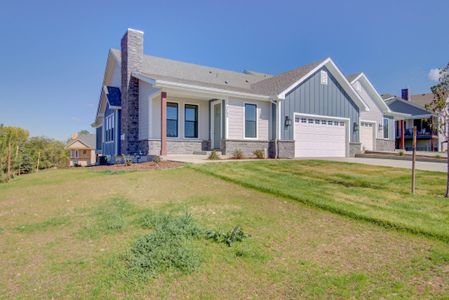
{"x": 69, "y": 234}
{"x": 376, "y": 194}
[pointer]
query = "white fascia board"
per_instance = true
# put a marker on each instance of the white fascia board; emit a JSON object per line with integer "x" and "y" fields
{"x": 377, "y": 97}
{"x": 397, "y": 115}
{"x": 198, "y": 89}
{"x": 338, "y": 75}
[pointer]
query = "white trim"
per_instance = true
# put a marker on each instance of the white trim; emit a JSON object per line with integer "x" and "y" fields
{"x": 179, "y": 119}
{"x": 346, "y": 120}
{"x": 197, "y": 121}
{"x": 198, "y": 89}
{"x": 244, "y": 121}
{"x": 332, "y": 67}
{"x": 212, "y": 121}
{"x": 278, "y": 121}
{"x": 378, "y": 97}
{"x": 226, "y": 117}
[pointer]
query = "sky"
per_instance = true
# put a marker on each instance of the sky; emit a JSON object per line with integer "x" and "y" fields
{"x": 53, "y": 53}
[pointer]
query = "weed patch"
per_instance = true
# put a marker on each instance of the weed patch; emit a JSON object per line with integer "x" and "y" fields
{"x": 170, "y": 244}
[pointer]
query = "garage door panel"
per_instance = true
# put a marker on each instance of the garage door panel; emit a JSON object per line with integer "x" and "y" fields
{"x": 321, "y": 138}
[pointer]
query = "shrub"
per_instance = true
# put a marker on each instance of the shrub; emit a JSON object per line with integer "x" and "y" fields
{"x": 401, "y": 153}
{"x": 260, "y": 154}
{"x": 214, "y": 155}
{"x": 237, "y": 154}
{"x": 438, "y": 156}
{"x": 156, "y": 159}
{"x": 127, "y": 161}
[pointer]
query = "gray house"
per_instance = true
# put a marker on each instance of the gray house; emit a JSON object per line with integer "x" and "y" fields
{"x": 156, "y": 106}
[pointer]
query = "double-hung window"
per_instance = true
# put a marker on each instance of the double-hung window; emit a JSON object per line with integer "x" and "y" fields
{"x": 109, "y": 128}
{"x": 172, "y": 119}
{"x": 191, "y": 121}
{"x": 250, "y": 120}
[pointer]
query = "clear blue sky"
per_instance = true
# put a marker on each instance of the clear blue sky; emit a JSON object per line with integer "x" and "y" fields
{"x": 53, "y": 53}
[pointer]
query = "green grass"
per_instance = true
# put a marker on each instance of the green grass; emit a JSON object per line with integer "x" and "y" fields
{"x": 79, "y": 229}
{"x": 375, "y": 194}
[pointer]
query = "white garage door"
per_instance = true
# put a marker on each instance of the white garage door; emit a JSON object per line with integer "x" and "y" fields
{"x": 319, "y": 137}
{"x": 367, "y": 135}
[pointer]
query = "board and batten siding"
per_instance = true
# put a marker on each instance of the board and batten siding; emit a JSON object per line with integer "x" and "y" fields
{"x": 312, "y": 97}
{"x": 236, "y": 119}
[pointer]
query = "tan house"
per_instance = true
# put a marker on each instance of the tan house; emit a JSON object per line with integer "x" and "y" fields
{"x": 81, "y": 150}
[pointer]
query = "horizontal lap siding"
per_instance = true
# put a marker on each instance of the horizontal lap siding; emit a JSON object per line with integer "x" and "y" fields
{"x": 311, "y": 97}
{"x": 236, "y": 119}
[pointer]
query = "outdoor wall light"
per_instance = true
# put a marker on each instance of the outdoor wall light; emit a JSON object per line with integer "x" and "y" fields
{"x": 380, "y": 127}
{"x": 356, "y": 126}
{"x": 288, "y": 121}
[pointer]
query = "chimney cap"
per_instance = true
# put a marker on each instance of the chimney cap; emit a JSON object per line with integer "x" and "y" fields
{"x": 135, "y": 30}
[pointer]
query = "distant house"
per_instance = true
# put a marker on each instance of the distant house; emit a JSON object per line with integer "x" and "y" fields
{"x": 82, "y": 150}
{"x": 427, "y": 136}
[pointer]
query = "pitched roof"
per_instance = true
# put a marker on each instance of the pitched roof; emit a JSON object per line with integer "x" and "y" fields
{"x": 400, "y": 105}
{"x": 351, "y": 77}
{"x": 422, "y": 99}
{"x": 114, "y": 96}
{"x": 87, "y": 139}
{"x": 279, "y": 83}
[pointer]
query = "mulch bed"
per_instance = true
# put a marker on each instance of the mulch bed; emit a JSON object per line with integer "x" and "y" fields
{"x": 140, "y": 166}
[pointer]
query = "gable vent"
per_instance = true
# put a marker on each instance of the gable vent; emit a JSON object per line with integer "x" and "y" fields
{"x": 323, "y": 77}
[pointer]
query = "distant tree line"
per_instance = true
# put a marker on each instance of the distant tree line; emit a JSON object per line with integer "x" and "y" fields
{"x": 20, "y": 154}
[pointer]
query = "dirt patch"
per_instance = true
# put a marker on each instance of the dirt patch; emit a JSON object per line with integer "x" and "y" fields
{"x": 140, "y": 166}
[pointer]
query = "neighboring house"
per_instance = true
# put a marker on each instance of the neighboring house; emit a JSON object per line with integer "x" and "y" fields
{"x": 81, "y": 150}
{"x": 377, "y": 126}
{"x": 156, "y": 106}
{"x": 427, "y": 136}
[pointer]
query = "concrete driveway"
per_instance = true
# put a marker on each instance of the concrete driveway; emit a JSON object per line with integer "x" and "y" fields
{"x": 427, "y": 166}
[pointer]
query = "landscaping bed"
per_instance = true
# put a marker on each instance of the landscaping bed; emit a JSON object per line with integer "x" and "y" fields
{"x": 139, "y": 166}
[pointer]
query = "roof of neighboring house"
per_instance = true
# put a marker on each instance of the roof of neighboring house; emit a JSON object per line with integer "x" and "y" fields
{"x": 114, "y": 96}
{"x": 351, "y": 77}
{"x": 422, "y": 99}
{"x": 89, "y": 140}
{"x": 400, "y": 105}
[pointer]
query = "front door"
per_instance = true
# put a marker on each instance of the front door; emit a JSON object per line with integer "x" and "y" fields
{"x": 217, "y": 126}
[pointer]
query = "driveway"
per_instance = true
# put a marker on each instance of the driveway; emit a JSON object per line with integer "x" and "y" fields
{"x": 420, "y": 165}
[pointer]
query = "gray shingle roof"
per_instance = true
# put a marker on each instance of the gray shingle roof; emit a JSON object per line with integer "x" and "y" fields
{"x": 87, "y": 139}
{"x": 400, "y": 105}
{"x": 422, "y": 99}
{"x": 247, "y": 81}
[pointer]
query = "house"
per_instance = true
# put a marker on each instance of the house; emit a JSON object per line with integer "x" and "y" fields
{"x": 81, "y": 150}
{"x": 377, "y": 126}
{"x": 427, "y": 137}
{"x": 155, "y": 106}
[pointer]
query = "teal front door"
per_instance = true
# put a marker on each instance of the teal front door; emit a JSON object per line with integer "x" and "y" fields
{"x": 217, "y": 126}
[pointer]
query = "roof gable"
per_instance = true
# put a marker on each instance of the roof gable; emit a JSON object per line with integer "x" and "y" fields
{"x": 403, "y": 106}
{"x": 369, "y": 88}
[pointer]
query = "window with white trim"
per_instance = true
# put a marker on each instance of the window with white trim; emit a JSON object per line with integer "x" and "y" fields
{"x": 250, "y": 120}
{"x": 109, "y": 128}
{"x": 386, "y": 127}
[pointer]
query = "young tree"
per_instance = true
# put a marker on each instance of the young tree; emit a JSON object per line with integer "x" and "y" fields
{"x": 440, "y": 106}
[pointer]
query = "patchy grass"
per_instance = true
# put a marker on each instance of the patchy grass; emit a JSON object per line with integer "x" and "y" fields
{"x": 56, "y": 221}
{"x": 295, "y": 250}
{"x": 376, "y": 194}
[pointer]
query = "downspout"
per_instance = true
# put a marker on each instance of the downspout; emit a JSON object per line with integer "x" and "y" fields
{"x": 277, "y": 125}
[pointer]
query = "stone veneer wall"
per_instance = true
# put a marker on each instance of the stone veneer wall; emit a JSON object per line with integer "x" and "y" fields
{"x": 247, "y": 146}
{"x": 131, "y": 61}
{"x": 354, "y": 148}
{"x": 153, "y": 147}
{"x": 385, "y": 145}
{"x": 286, "y": 149}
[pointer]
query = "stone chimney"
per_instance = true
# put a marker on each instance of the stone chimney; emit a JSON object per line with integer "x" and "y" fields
{"x": 405, "y": 94}
{"x": 132, "y": 59}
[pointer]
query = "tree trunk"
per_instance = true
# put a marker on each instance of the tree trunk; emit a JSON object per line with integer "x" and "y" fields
{"x": 414, "y": 161}
{"x": 38, "y": 161}
{"x": 9, "y": 161}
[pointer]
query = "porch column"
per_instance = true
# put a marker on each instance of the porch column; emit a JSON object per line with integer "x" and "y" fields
{"x": 402, "y": 135}
{"x": 163, "y": 123}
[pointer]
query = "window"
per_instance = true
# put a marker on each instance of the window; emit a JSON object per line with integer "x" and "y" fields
{"x": 172, "y": 119}
{"x": 317, "y": 121}
{"x": 84, "y": 152}
{"x": 303, "y": 120}
{"x": 323, "y": 122}
{"x": 324, "y": 77}
{"x": 109, "y": 128}
{"x": 310, "y": 121}
{"x": 191, "y": 121}
{"x": 250, "y": 120}
{"x": 386, "y": 127}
